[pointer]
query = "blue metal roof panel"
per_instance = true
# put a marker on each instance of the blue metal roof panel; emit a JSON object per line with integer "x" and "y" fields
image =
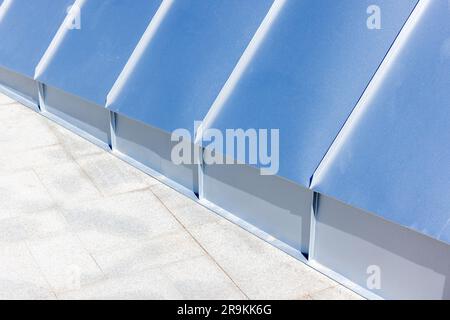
{"x": 394, "y": 158}
{"x": 308, "y": 74}
{"x": 188, "y": 60}
{"x": 89, "y": 60}
{"x": 26, "y": 30}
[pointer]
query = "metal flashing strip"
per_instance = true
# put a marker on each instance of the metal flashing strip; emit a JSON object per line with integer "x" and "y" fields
{"x": 13, "y": 94}
{"x": 253, "y": 230}
{"x": 41, "y": 95}
{"x": 112, "y": 130}
{"x": 76, "y": 130}
{"x": 344, "y": 281}
{"x": 155, "y": 174}
{"x": 69, "y": 126}
{"x": 312, "y": 232}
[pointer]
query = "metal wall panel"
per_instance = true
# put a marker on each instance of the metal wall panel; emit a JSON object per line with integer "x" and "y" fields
{"x": 88, "y": 60}
{"x": 26, "y": 30}
{"x": 79, "y": 115}
{"x": 306, "y": 76}
{"x": 389, "y": 260}
{"x": 151, "y": 148}
{"x": 186, "y": 62}
{"x": 20, "y": 85}
{"x": 393, "y": 156}
{"x": 280, "y": 208}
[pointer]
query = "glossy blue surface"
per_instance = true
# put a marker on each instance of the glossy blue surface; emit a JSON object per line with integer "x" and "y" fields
{"x": 395, "y": 162}
{"x": 188, "y": 60}
{"x": 89, "y": 60}
{"x": 26, "y": 30}
{"x": 308, "y": 75}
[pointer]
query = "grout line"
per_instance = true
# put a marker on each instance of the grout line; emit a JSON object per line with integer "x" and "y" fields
{"x": 71, "y": 157}
{"x": 93, "y": 258}
{"x": 56, "y": 204}
{"x": 50, "y": 287}
{"x": 122, "y": 276}
{"x": 202, "y": 247}
{"x": 75, "y": 234}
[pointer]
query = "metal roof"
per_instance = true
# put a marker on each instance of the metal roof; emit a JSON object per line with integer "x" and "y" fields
{"x": 26, "y": 30}
{"x": 306, "y": 76}
{"x": 184, "y": 60}
{"x": 88, "y": 60}
{"x": 392, "y": 157}
{"x": 363, "y": 113}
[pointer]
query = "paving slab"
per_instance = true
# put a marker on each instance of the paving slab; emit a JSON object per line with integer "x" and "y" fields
{"x": 113, "y": 176}
{"x": 47, "y": 156}
{"x": 151, "y": 284}
{"x": 121, "y": 221}
{"x": 22, "y": 193}
{"x": 64, "y": 262}
{"x": 260, "y": 270}
{"x": 12, "y": 230}
{"x": 20, "y": 277}
{"x": 5, "y": 100}
{"x": 201, "y": 278}
{"x": 191, "y": 214}
{"x": 45, "y": 224}
{"x": 78, "y": 223}
{"x": 74, "y": 145}
{"x": 158, "y": 252}
{"x": 23, "y": 130}
{"x": 335, "y": 293}
{"x": 67, "y": 183}
{"x": 32, "y": 226}
{"x": 171, "y": 198}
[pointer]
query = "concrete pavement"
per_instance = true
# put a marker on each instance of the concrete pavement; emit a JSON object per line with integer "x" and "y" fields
{"x": 78, "y": 223}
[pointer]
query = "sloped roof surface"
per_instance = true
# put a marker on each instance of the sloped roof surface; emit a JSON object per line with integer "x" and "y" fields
{"x": 89, "y": 60}
{"x": 297, "y": 66}
{"x": 394, "y": 159}
{"x": 188, "y": 60}
{"x": 307, "y": 76}
{"x": 26, "y": 30}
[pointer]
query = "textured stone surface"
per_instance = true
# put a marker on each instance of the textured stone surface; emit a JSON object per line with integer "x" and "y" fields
{"x": 78, "y": 223}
